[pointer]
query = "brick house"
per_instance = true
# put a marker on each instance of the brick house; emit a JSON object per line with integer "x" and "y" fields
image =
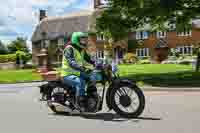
{"x": 51, "y": 31}
{"x": 183, "y": 42}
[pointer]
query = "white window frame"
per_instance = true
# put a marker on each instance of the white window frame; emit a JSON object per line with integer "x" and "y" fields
{"x": 187, "y": 48}
{"x": 45, "y": 44}
{"x": 100, "y": 54}
{"x": 141, "y": 35}
{"x": 161, "y": 34}
{"x": 184, "y": 33}
{"x": 100, "y": 37}
{"x": 60, "y": 42}
{"x": 142, "y": 52}
{"x": 172, "y": 26}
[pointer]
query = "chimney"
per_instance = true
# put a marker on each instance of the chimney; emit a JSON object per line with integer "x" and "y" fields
{"x": 42, "y": 15}
{"x": 97, "y": 3}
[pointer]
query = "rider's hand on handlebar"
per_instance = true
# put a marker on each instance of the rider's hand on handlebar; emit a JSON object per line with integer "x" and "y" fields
{"x": 87, "y": 70}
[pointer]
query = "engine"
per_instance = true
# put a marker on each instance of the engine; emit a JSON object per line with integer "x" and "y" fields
{"x": 91, "y": 104}
{"x": 59, "y": 95}
{"x": 93, "y": 100}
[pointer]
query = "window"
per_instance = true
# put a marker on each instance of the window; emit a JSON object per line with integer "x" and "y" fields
{"x": 100, "y": 54}
{"x": 185, "y": 33}
{"x": 185, "y": 50}
{"x": 161, "y": 34}
{"x": 37, "y": 45}
{"x": 60, "y": 42}
{"x": 141, "y": 35}
{"x": 172, "y": 26}
{"x": 142, "y": 52}
{"x": 100, "y": 37}
{"x": 44, "y": 44}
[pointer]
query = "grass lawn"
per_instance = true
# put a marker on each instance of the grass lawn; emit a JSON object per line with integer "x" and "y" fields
{"x": 161, "y": 74}
{"x": 13, "y": 76}
{"x": 153, "y": 74}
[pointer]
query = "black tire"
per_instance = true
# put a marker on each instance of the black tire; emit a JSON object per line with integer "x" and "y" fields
{"x": 141, "y": 98}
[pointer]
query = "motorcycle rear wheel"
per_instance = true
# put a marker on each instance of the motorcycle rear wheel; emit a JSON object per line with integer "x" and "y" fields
{"x": 125, "y": 100}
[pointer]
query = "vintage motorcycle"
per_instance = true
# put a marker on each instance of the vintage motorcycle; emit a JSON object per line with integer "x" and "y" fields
{"x": 121, "y": 95}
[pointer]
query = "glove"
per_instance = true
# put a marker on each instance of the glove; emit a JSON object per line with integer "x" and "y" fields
{"x": 87, "y": 70}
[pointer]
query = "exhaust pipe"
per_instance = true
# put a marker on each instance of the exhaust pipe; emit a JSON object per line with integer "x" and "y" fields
{"x": 57, "y": 107}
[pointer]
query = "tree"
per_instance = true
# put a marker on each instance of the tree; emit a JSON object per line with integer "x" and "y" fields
{"x": 3, "y": 48}
{"x": 128, "y": 15}
{"x": 18, "y": 45}
{"x": 123, "y": 16}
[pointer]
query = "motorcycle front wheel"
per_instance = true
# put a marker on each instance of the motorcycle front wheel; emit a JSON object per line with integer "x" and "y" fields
{"x": 128, "y": 100}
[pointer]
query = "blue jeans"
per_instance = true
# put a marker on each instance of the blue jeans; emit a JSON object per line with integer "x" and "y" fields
{"x": 78, "y": 83}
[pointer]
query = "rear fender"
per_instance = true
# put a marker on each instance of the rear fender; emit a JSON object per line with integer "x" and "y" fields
{"x": 48, "y": 87}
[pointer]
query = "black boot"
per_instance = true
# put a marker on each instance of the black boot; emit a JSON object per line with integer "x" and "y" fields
{"x": 81, "y": 101}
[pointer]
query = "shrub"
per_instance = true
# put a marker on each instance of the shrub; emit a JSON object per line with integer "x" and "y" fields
{"x": 23, "y": 56}
{"x": 130, "y": 58}
{"x": 7, "y": 58}
{"x": 144, "y": 58}
{"x": 185, "y": 62}
{"x": 30, "y": 66}
{"x": 169, "y": 61}
{"x": 145, "y": 61}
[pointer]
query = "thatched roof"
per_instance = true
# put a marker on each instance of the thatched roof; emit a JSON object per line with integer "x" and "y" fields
{"x": 54, "y": 27}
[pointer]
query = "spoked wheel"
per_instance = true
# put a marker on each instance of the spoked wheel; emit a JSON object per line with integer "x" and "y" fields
{"x": 128, "y": 101}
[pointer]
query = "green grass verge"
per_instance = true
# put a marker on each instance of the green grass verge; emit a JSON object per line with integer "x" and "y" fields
{"x": 13, "y": 76}
{"x": 161, "y": 74}
{"x": 153, "y": 74}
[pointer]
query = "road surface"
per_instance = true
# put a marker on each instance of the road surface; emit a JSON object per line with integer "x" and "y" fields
{"x": 165, "y": 112}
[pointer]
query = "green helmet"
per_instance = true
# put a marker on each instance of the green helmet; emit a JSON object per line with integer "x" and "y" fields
{"x": 76, "y": 38}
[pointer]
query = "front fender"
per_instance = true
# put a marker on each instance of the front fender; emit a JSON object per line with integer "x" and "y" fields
{"x": 115, "y": 84}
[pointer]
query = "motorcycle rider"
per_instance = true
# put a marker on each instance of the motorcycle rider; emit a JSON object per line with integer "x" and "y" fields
{"x": 75, "y": 66}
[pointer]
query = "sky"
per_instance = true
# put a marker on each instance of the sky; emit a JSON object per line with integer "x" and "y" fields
{"x": 20, "y": 17}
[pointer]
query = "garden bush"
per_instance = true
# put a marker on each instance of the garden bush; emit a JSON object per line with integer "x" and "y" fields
{"x": 7, "y": 58}
{"x": 184, "y": 62}
{"x": 30, "y": 66}
{"x": 25, "y": 57}
{"x": 144, "y": 61}
{"x": 12, "y": 57}
{"x": 130, "y": 58}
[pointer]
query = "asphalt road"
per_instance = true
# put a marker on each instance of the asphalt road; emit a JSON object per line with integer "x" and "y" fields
{"x": 166, "y": 112}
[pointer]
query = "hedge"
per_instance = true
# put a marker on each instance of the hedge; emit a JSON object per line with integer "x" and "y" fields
{"x": 130, "y": 58}
{"x": 7, "y": 58}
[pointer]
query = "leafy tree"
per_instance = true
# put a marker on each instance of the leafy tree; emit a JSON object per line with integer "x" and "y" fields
{"x": 127, "y": 15}
{"x": 18, "y": 45}
{"x": 3, "y": 49}
{"x": 21, "y": 55}
{"x": 123, "y": 16}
